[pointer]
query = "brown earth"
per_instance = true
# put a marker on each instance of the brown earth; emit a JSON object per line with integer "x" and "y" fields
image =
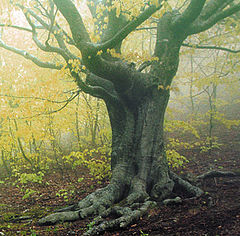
{"x": 215, "y": 213}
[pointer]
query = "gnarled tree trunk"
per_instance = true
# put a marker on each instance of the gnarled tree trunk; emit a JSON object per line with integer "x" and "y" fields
{"x": 138, "y": 151}
{"x": 140, "y": 172}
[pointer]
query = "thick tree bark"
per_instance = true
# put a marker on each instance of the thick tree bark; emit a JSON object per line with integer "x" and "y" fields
{"x": 138, "y": 150}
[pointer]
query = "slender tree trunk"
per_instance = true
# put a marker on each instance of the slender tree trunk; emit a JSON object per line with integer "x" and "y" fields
{"x": 95, "y": 125}
{"x": 5, "y": 164}
{"x": 77, "y": 123}
{"x": 191, "y": 88}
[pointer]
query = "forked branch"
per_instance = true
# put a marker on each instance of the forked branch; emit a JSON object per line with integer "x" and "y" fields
{"x": 212, "y": 6}
{"x": 202, "y": 25}
{"x": 190, "y": 14}
{"x": 97, "y": 91}
{"x": 131, "y": 26}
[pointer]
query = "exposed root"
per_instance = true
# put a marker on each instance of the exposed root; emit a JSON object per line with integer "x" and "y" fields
{"x": 101, "y": 203}
{"x": 124, "y": 217}
{"x": 192, "y": 190}
{"x": 59, "y": 217}
{"x": 176, "y": 200}
{"x": 216, "y": 173}
{"x": 94, "y": 204}
{"x": 116, "y": 207}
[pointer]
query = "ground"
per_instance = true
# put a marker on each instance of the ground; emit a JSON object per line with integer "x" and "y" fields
{"x": 215, "y": 213}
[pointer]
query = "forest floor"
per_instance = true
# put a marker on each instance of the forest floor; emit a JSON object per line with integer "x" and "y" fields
{"x": 18, "y": 216}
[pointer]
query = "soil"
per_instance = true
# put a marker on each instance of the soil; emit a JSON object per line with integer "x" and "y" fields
{"x": 217, "y": 212}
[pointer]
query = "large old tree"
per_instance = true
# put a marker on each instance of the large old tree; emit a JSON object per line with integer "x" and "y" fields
{"x": 136, "y": 96}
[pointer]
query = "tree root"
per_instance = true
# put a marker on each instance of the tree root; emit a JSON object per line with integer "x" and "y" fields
{"x": 115, "y": 207}
{"x": 98, "y": 204}
{"x": 192, "y": 190}
{"x": 125, "y": 216}
{"x": 94, "y": 204}
{"x": 216, "y": 173}
{"x": 59, "y": 217}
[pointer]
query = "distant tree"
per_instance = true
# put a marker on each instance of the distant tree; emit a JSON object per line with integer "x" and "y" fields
{"x": 136, "y": 95}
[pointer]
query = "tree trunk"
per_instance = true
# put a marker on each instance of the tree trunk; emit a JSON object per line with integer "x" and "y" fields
{"x": 138, "y": 152}
{"x": 140, "y": 169}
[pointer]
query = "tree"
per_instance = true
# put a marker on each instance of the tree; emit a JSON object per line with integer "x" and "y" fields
{"x": 136, "y": 95}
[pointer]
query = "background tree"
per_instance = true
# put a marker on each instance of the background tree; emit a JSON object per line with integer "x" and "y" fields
{"x": 136, "y": 95}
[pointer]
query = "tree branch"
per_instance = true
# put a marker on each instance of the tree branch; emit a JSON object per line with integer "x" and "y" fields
{"x": 47, "y": 47}
{"x": 71, "y": 98}
{"x": 35, "y": 98}
{"x": 95, "y": 80}
{"x": 210, "y": 47}
{"x": 35, "y": 16}
{"x": 63, "y": 50}
{"x": 46, "y": 25}
{"x": 67, "y": 102}
{"x": 30, "y": 57}
{"x": 202, "y": 25}
{"x": 74, "y": 19}
{"x": 144, "y": 65}
{"x": 131, "y": 26}
{"x": 212, "y": 7}
{"x": 96, "y": 91}
{"x": 16, "y": 27}
{"x": 190, "y": 14}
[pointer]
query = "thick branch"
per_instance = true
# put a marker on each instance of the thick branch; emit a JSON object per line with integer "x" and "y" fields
{"x": 94, "y": 80}
{"x": 74, "y": 19}
{"x": 97, "y": 64}
{"x": 212, "y": 7}
{"x": 131, "y": 26}
{"x": 190, "y": 14}
{"x": 200, "y": 25}
{"x": 96, "y": 91}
